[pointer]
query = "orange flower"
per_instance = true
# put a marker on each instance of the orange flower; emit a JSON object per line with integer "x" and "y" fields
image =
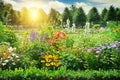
{"x": 76, "y": 55}
{"x": 7, "y": 53}
{"x": 59, "y": 35}
{"x": 73, "y": 50}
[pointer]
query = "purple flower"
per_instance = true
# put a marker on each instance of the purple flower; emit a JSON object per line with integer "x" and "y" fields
{"x": 33, "y": 36}
{"x": 100, "y": 48}
{"x": 42, "y": 53}
{"x": 41, "y": 38}
{"x": 112, "y": 46}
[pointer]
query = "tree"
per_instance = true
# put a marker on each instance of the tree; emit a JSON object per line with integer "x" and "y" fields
{"x": 15, "y": 17}
{"x": 52, "y": 17}
{"x": 66, "y": 15}
{"x": 42, "y": 16}
{"x": 25, "y": 16}
{"x": 79, "y": 17}
{"x": 73, "y": 9}
{"x": 93, "y": 16}
{"x": 6, "y": 13}
{"x": 104, "y": 17}
{"x": 117, "y": 15}
{"x": 111, "y": 16}
{"x": 104, "y": 14}
{"x": 5, "y": 10}
{"x": 1, "y": 10}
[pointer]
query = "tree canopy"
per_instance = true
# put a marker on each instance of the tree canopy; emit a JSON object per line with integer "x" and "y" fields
{"x": 79, "y": 17}
{"x": 93, "y": 15}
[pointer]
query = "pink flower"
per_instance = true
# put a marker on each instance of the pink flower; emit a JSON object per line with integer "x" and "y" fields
{"x": 89, "y": 50}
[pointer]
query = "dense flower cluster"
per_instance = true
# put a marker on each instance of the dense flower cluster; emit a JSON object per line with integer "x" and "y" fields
{"x": 36, "y": 36}
{"x": 50, "y": 60}
{"x": 57, "y": 36}
{"x": 99, "y": 49}
{"x": 9, "y": 57}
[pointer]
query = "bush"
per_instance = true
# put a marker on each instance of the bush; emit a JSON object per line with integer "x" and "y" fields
{"x": 96, "y": 26}
{"x": 8, "y": 59}
{"x": 7, "y": 35}
{"x": 61, "y": 74}
{"x": 73, "y": 60}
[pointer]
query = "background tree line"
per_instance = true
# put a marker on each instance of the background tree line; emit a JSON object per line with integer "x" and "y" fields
{"x": 9, "y": 16}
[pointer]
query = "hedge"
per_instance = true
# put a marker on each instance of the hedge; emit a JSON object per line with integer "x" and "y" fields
{"x": 60, "y": 74}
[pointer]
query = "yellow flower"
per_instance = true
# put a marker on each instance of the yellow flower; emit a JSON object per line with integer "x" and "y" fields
{"x": 56, "y": 64}
{"x": 55, "y": 57}
{"x": 47, "y": 64}
{"x": 50, "y": 56}
{"x": 116, "y": 30}
{"x": 42, "y": 61}
{"x": 52, "y": 63}
{"x": 48, "y": 60}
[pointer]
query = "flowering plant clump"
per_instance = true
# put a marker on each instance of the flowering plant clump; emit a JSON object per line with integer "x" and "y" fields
{"x": 98, "y": 50}
{"x": 107, "y": 57}
{"x": 57, "y": 36}
{"x": 50, "y": 60}
{"x": 9, "y": 58}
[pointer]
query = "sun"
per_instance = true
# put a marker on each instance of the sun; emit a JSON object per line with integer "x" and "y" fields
{"x": 34, "y": 14}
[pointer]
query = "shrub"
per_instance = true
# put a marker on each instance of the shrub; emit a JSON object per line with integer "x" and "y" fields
{"x": 73, "y": 60}
{"x": 61, "y": 74}
{"x": 96, "y": 26}
{"x": 7, "y": 35}
{"x": 9, "y": 59}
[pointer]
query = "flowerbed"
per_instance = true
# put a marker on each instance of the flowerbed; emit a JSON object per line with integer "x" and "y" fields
{"x": 57, "y": 55}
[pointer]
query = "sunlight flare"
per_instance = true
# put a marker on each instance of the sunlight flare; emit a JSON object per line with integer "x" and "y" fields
{"x": 34, "y": 14}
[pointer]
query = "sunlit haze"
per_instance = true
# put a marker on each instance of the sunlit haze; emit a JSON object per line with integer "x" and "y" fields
{"x": 34, "y": 14}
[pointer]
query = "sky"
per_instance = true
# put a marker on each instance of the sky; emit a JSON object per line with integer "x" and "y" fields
{"x": 59, "y": 5}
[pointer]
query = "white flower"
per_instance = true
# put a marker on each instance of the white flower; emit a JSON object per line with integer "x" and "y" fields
{"x": 14, "y": 48}
{"x": 6, "y": 61}
{"x": 97, "y": 52}
{"x": 13, "y": 54}
{"x": 10, "y": 49}
{"x": 17, "y": 56}
{"x": 9, "y": 57}
{"x": 13, "y": 63}
{"x": 18, "y": 59}
{"x": 3, "y": 64}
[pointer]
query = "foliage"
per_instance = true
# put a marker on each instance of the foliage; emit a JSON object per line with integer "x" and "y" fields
{"x": 104, "y": 14}
{"x": 93, "y": 15}
{"x": 69, "y": 42}
{"x": 79, "y": 17}
{"x": 111, "y": 16}
{"x": 96, "y": 26}
{"x": 73, "y": 60}
{"x": 66, "y": 15}
{"x": 53, "y": 17}
{"x": 61, "y": 74}
{"x": 8, "y": 35}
